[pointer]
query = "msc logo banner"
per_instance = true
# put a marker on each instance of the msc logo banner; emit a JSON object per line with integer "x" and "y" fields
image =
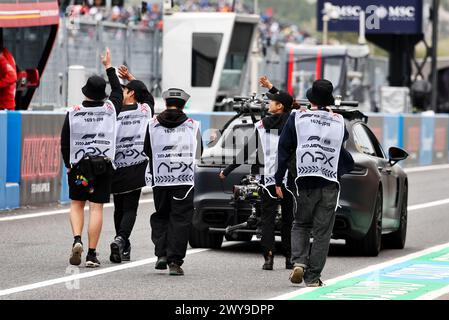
{"x": 382, "y": 16}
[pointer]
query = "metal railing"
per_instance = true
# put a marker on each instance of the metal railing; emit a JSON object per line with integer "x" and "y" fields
{"x": 81, "y": 44}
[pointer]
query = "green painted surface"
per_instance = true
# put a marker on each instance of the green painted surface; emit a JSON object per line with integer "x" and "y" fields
{"x": 402, "y": 281}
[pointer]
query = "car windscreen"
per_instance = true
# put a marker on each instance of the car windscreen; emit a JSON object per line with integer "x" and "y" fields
{"x": 229, "y": 146}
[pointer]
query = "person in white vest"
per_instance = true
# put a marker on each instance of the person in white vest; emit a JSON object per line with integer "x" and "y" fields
{"x": 266, "y": 136}
{"x": 316, "y": 137}
{"x": 88, "y": 149}
{"x": 131, "y": 160}
{"x": 174, "y": 150}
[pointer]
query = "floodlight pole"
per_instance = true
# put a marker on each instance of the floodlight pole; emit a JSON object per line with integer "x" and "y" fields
{"x": 435, "y": 18}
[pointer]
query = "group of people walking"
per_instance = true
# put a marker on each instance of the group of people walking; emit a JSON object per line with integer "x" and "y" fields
{"x": 115, "y": 144}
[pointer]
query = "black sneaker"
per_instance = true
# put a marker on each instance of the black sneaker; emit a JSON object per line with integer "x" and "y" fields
{"x": 117, "y": 250}
{"x": 77, "y": 250}
{"x": 175, "y": 270}
{"x": 315, "y": 284}
{"x": 161, "y": 263}
{"x": 92, "y": 261}
{"x": 126, "y": 256}
{"x": 269, "y": 261}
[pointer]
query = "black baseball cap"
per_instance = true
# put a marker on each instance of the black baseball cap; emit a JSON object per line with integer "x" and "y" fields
{"x": 282, "y": 97}
{"x": 137, "y": 86}
{"x": 140, "y": 90}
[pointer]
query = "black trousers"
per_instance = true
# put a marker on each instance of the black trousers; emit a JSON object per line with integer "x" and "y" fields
{"x": 125, "y": 213}
{"x": 171, "y": 222}
{"x": 269, "y": 209}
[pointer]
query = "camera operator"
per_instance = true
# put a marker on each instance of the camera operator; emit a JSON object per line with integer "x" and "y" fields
{"x": 88, "y": 149}
{"x": 131, "y": 160}
{"x": 316, "y": 137}
{"x": 267, "y": 135}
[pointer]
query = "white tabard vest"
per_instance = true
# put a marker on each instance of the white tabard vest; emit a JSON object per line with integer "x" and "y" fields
{"x": 174, "y": 151}
{"x": 320, "y": 136}
{"x": 92, "y": 131}
{"x": 269, "y": 142}
{"x": 131, "y": 131}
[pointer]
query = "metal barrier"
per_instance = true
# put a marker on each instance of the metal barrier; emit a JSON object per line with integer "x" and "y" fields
{"x": 32, "y": 170}
{"x": 82, "y": 44}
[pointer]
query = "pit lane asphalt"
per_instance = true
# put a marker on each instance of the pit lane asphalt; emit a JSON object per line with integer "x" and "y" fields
{"x": 36, "y": 249}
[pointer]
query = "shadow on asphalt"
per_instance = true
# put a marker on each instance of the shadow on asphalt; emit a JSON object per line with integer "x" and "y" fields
{"x": 335, "y": 250}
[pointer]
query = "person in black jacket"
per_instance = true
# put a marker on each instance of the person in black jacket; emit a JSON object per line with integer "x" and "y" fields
{"x": 318, "y": 191}
{"x": 175, "y": 146}
{"x": 280, "y": 106}
{"x": 129, "y": 177}
{"x": 97, "y": 191}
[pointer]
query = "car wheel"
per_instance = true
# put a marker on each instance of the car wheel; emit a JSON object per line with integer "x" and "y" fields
{"x": 371, "y": 244}
{"x": 240, "y": 237}
{"x": 396, "y": 240}
{"x": 204, "y": 239}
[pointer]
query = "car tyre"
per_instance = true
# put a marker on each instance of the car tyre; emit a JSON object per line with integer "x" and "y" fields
{"x": 371, "y": 244}
{"x": 204, "y": 239}
{"x": 396, "y": 240}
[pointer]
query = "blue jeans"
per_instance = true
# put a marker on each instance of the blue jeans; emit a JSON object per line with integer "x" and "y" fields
{"x": 315, "y": 217}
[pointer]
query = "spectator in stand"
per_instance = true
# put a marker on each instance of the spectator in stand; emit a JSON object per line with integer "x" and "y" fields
{"x": 272, "y": 30}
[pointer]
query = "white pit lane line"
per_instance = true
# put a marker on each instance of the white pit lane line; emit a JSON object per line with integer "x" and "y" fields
{"x": 99, "y": 272}
{"x": 428, "y": 205}
{"x": 56, "y": 212}
{"x": 110, "y": 205}
{"x": 427, "y": 168}
{"x": 85, "y": 275}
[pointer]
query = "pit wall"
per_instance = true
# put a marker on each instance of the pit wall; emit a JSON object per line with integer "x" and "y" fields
{"x": 32, "y": 170}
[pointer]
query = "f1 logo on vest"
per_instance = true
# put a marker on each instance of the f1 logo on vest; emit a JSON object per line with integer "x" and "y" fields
{"x": 316, "y": 138}
{"x": 169, "y": 148}
{"x": 319, "y": 156}
{"x": 166, "y": 148}
{"x": 129, "y": 139}
{"x": 92, "y": 136}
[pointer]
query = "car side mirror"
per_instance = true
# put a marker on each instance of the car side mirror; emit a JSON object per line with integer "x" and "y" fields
{"x": 396, "y": 154}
